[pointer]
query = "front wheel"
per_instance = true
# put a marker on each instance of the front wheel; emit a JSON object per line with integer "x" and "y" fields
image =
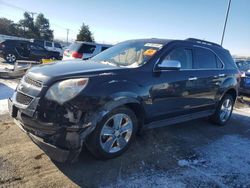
{"x": 224, "y": 110}
{"x": 113, "y": 134}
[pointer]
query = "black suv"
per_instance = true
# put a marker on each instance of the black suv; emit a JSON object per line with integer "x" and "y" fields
{"x": 12, "y": 50}
{"x": 132, "y": 86}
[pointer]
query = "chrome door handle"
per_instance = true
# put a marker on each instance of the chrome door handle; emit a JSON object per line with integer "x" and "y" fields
{"x": 192, "y": 78}
{"x": 222, "y": 75}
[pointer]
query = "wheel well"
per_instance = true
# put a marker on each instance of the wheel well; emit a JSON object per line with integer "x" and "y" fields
{"x": 232, "y": 92}
{"x": 139, "y": 112}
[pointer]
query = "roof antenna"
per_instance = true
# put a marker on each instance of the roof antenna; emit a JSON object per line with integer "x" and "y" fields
{"x": 225, "y": 24}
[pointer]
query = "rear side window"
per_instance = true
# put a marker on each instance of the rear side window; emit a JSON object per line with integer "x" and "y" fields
{"x": 41, "y": 43}
{"x": 74, "y": 46}
{"x": 57, "y": 45}
{"x": 104, "y": 48}
{"x": 184, "y": 56}
{"x": 48, "y": 44}
{"x": 206, "y": 59}
{"x": 219, "y": 63}
{"x": 87, "y": 48}
{"x": 36, "y": 47}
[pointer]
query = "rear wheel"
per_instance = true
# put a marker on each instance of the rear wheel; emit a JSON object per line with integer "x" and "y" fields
{"x": 113, "y": 134}
{"x": 224, "y": 110}
{"x": 10, "y": 58}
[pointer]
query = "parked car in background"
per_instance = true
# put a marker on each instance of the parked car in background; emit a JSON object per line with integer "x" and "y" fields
{"x": 12, "y": 50}
{"x": 83, "y": 50}
{"x": 244, "y": 67}
{"x": 132, "y": 86}
{"x": 49, "y": 45}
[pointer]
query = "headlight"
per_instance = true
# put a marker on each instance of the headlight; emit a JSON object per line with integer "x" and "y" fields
{"x": 65, "y": 90}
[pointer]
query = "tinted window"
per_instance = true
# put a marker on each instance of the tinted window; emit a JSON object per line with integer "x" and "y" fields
{"x": 41, "y": 43}
{"x": 205, "y": 59}
{"x": 184, "y": 56}
{"x": 57, "y": 45}
{"x": 36, "y": 47}
{"x": 219, "y": 63}
{"x": 48, "y": 44}
{"x": 87, "y": 48}
{"x": 74, "y": 46}
{"x": 104, "y": 48}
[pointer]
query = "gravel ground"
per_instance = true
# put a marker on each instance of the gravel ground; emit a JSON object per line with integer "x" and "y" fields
{"x": 191, "y": 154}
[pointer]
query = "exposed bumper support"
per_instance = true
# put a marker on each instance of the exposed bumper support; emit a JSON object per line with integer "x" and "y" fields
{"x": 55, "y": 153}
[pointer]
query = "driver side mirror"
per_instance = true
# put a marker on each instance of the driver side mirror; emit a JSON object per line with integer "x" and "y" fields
{"x": 169, "y": 65}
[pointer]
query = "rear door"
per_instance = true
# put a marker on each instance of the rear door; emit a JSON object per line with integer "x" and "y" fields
{"x": 22, "y": 48}
{"x": 207, "y": 79}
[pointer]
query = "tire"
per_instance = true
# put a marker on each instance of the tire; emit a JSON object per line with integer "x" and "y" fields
{"x": 110, "y": 140}
{"x": 223, "y": 111}
{"x": 10, "y": 58}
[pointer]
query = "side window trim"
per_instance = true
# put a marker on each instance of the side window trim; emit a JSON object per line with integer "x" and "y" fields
{"x": 164, "y": 54}
{"x": 216, "y": 55}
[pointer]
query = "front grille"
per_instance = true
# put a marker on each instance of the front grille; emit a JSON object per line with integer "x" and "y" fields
{"x": 33, "y": 82}
{"x": 23, "y": 99}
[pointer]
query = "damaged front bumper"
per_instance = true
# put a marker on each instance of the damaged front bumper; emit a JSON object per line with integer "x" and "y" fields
{"x": 60, "y": 142}
{"x": 52, "y": 151}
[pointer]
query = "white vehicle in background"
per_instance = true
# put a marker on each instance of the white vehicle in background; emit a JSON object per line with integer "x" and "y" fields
{"x": 83, "y": 50}
{"x": 49, "y": 45}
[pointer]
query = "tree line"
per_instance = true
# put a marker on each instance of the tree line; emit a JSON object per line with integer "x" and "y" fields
{"x": 38, "y": 28}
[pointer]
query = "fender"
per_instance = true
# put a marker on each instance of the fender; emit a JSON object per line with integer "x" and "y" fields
{"x": 119, "y": 99}
{"x": 229, "y": 83}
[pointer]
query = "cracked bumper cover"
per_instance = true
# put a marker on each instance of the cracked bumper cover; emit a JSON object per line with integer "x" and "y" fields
{"x": 52, "y": 151}
{"x": 60, "y": 143}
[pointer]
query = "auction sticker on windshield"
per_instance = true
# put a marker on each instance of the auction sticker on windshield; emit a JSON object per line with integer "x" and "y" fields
{"x": 149, "y": 52}
{"x": 155, "y": 45}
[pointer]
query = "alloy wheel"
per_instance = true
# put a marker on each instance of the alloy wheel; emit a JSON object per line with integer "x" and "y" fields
{"x": 116, "y": 133}
{"x": 226, "y": 109}
{"x": 11, "y": 58}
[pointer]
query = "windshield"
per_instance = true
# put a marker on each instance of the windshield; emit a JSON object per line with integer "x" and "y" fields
{"x": 243, "y": 65}
{"x": 128, "y": 54}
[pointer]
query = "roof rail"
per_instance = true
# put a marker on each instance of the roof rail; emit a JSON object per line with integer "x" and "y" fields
{"x": 203, "y": 42}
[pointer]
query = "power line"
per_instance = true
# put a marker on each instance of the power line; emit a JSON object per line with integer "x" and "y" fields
{"x": 13, "y": 6}
{"x": 32, "y": 15}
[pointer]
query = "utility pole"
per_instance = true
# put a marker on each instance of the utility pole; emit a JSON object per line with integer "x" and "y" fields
{"x": 225, "y": 24}
{"x": 67, "y": 36}
{"x": 32, "y": 14}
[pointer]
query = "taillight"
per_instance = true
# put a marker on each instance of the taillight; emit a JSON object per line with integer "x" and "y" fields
{"x": 66, "y": 52}
{"x": 243, "y": 74}
{"x": 76, "y": 55}
{"x": 2, "y": 45}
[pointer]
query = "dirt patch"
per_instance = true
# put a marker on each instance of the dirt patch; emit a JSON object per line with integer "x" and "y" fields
{"x": 243, "y": 101}
{"x": 39, "y": 156}
{"x": 23, "y": 164}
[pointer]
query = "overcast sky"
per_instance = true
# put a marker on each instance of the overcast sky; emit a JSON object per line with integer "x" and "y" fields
{"x": 112, "y": 21}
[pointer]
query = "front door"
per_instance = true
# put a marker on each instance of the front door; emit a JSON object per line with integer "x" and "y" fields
{"x": 37, "y": 52}
{"x": 170, "y": 93}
